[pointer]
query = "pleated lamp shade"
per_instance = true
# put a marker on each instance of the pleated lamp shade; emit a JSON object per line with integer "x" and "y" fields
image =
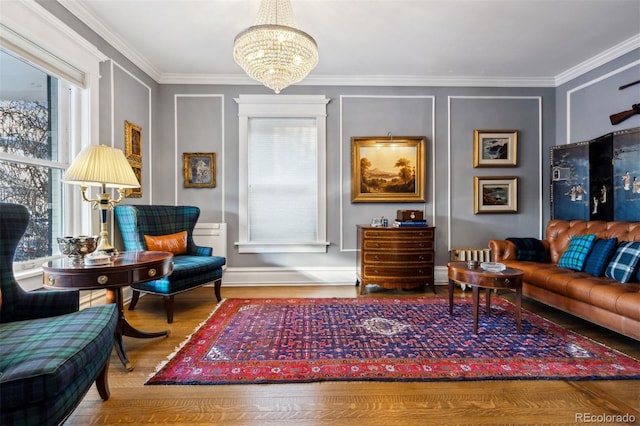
{"x": 101, "y": 165}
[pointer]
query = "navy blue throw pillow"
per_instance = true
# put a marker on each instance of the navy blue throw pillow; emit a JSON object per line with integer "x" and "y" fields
{"x": 600, "y": 256}
{"x": 530, "y": 249}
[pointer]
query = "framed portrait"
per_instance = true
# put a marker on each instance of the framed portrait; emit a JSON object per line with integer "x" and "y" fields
{"x": 199, "y": 169}
{"x": 135, "y": 192}
{"x": 495, "y": 194}
{"x": 495, "y": 148}
{"x": 132, "y": 142}
{"x": 388, "y": 169}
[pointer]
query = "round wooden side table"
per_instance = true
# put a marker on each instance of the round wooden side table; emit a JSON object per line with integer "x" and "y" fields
{"x": 510, "y": 278}
{"x": 125, "y": 269}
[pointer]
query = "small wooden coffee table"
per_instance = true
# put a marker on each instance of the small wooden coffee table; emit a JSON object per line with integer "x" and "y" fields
{"x": 510, "y": 278}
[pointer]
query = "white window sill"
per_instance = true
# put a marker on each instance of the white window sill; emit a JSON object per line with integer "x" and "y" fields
{"x": 310, "y": 247}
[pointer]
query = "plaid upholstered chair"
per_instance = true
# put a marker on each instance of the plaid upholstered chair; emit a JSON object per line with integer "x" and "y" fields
{"x": 18, "y": 304}
{"x": 50, "y": 353}
{"x": 169, "y": 228}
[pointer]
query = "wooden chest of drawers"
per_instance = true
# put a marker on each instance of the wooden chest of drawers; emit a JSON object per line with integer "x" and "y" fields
{"x": 395, "y": 257}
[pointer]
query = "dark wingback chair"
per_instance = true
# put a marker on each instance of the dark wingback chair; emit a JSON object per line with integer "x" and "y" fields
{"x": 50, "y": 353}
{"x": 192, "y": 269}
{"x": 18, "y": 304}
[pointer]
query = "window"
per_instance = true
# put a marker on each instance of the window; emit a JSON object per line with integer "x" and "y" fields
{"x": 33, "y": 151}
{"x": 282, "y": 174}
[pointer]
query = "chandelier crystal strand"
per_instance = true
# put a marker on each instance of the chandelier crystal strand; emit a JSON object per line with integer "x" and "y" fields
{"x": 274, "y": 51}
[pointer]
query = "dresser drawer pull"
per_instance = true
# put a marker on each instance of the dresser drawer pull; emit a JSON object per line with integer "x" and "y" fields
{"x": 376, "y": 257}
{"x": 102, "y": 279}
{"x": 378, "y": 245}
{"x": 421, "y": 257}
{"x": 152, "y": 272}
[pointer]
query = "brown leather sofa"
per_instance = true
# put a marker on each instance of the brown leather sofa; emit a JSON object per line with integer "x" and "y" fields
{"x": 601, "y": 300}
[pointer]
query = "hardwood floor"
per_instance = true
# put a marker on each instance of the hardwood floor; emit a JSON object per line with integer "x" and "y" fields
{"x": 343, "y": 403}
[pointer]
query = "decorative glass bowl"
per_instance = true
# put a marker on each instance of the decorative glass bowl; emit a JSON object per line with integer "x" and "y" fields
{"x": 76, "y": 248}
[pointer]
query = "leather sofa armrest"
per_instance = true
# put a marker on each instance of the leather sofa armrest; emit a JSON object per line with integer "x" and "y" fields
{"x": 502, "y": 250}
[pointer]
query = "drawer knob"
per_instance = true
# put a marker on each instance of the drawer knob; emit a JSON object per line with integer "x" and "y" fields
{"x": 377, "y": 245}
{"x": 52, "y": 280}
{"x": 377, "y": 257}
{"x": 152, "y": 272}
{"x": 102, "y": 279}
{"x": 506, "y": 281}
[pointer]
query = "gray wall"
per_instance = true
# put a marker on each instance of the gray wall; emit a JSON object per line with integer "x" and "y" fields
{"x": 446, "y": 116}
{"x": 585, "y": 103}
{"x": 203, "y": 118}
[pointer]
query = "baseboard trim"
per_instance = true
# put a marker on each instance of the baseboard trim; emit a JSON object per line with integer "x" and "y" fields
{"x": 303, "y": 276}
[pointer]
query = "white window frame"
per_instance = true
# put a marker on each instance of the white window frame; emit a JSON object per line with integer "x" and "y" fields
{"x": 30, "y": 31}
{"x": 282, "y": 106}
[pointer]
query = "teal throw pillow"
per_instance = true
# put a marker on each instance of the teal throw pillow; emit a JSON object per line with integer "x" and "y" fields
{"x": 600, "y": 256}
{"x": 625, "y": 262}
{"x": 577, "y": 252}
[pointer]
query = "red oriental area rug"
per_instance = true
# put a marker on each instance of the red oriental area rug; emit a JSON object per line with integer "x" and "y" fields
{"x": 413, "y": 339}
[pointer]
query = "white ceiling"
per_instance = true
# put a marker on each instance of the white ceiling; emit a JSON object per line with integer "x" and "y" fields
{"x": 386, "y": 42}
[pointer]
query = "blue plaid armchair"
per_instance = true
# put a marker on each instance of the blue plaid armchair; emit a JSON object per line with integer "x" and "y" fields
{"x": 190, "y": 270}
{"x": 50, "y": 353}
{"x": 19, "y": 304}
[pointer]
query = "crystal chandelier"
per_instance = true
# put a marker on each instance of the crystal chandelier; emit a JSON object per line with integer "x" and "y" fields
{"x": 274, "y": 51}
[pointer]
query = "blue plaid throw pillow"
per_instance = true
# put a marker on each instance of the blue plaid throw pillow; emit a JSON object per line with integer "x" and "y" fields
{"x": 624, "y": 262}
{"x": 600, "y": 256}
{"x": 577, "y": 252}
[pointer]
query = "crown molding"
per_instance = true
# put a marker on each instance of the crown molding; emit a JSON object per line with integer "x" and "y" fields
{"x": 86, "y": 17}
{"x": 365, "y": 80}
{"x": 601, "y": 59}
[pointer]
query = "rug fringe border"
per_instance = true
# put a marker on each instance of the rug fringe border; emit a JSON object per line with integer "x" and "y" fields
{"x": 169, "y": 357}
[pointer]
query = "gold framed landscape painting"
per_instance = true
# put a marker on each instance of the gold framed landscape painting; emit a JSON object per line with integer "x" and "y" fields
{"x": 199, "y": 169}
{"x": 495, "y": 148}
{"x": 388, "y": 169}
{"x": 495, "y": 194}
{"x": 132, "y": 142}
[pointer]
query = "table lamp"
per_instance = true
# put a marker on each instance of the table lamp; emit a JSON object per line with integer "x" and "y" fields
{"x": 105, "y": 167}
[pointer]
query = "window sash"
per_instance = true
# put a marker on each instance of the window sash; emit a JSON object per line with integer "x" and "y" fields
{"x": 282, "y": 185}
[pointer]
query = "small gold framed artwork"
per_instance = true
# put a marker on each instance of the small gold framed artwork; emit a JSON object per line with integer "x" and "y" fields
{"x": 495, "y": 148}
{"x": 133, "y": 142}
{"x": 495, "y": 194}
{"x": 199, "y": 169}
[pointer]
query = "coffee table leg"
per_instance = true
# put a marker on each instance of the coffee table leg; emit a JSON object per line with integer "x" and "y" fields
{"x": 487, "y": 301}
{"x": 475, "y": 302}
{"x": 451, "y": 284}
{"x": 519, "y": 307}
{"x": 124, "y": 328}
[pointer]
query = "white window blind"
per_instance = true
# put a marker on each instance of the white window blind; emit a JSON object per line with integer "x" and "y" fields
{"x": 283, "y": 180}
